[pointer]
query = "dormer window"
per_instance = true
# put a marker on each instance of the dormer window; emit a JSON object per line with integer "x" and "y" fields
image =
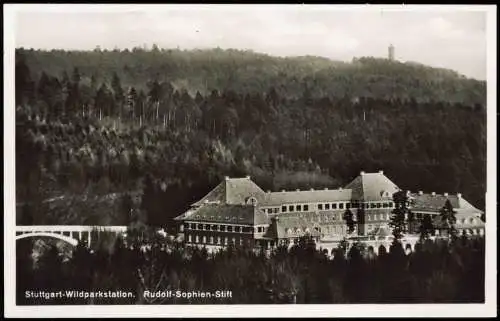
{"x": 252, "y": 201}
{"x": 385, "y": 194}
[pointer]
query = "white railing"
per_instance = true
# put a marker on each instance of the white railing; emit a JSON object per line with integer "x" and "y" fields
{"x": 69, "y": 228}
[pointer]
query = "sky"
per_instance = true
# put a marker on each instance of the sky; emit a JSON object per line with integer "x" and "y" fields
{"x": 447, "y": 38}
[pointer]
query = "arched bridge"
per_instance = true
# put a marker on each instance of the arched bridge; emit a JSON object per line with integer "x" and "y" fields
{"x": 71, "y": 234}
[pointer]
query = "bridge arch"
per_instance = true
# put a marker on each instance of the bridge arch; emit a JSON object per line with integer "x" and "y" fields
{"x": 65, "y": 238}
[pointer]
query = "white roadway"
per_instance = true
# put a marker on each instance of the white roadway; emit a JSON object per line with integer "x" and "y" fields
{"x": 69, "y": 228}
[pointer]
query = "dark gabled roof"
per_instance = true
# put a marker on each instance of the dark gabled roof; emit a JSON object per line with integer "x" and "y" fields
{"x": 310, "y": 196}
{"x": 434, "y": 203}
{"x": 226, "y": 213}
{"x": 372, "y": 187}
{"x": 233, "y": 191}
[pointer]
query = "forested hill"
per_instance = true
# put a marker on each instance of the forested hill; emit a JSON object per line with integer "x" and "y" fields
{"x": 249, "y": 72}
{"x": 82, "y": 130}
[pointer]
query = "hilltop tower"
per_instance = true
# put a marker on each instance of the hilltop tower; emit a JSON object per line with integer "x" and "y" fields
{"x": 391, "y": 52}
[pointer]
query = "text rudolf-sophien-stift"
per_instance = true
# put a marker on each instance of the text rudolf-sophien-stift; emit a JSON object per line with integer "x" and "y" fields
{"x": 171, "y": 294}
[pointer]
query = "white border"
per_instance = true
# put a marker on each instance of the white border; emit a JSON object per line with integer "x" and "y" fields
{"x": 340, "y": 310}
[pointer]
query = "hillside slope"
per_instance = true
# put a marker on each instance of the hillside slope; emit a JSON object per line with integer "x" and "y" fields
{"x": 250, "y": 72}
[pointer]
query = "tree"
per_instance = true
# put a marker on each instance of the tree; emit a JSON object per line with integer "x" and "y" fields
{"x": 24, "y": 84}
{"x": 118, "y": 93}
{"x": 426, "y": 227}
{"x": 411, "y": 222}
{"x": 361, "y": 220}
{"x": 448, "y": 219}
{"x": 397, "y": 222}
{"x": 127, "y": 207}
{"x": 348, "y": 218}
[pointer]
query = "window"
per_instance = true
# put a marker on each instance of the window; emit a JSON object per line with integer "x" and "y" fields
{"x": 334, "y": 206}
{"x": 385, "y": 205}
{"x": 327, "y": 206}
{"x": 197, "y": 239}
{"x": 391, "y": 205}
{"x": 218, "y": 239}
{"x": 372, "y": 205}
{"x": 211, "y": 240}
{"x": 204, "y": 239}
{"x": 225, "y": 241}
{"x": 355, "y": 205}
{"x": 290, "y": 208}
{"x": 320, "y": 206}
{"x": 379, "y": 205}
{"x": 283, "y": 209}
{"x": 306, "y": 207}
{"x": 200, "y": 226}
{"x": 214, "y": 227}
{"x": 348, "y": 205}
{"x": 229, "y": 228}
{"x": 190, "y": 239}
{"x": 341, "y": 205}
{"x": 241, "y": 241}
{"x": 299, "y": 208}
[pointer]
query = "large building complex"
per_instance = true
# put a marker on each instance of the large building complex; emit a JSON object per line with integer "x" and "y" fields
{"x": 239, "y": 212}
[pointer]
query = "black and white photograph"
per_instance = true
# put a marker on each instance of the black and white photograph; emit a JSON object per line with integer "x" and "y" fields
{"x": 250, "y": 160}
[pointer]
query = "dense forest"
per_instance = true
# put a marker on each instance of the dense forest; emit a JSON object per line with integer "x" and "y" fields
{"x": 437, "y": 272}
{"x": 247, "y": 72}
{"x": 155, "y": 130}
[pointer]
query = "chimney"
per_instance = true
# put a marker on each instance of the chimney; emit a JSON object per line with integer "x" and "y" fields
{"x": 362, "y": 173}
{"x": 226, "y": 178}
{"x": 445, "y": 194}
{"x": 312, "y": 189}
{"x": 283, "y": 191}
{"x": 433, "y": 193}
{"x": 420, "y": 193}
{"x": 268, "y": 191}
{"x": 381, "y": 172}
{"x": 297, "y": 190}
{"x": 340, "y": 188}
{"x": 248, "y": 176}
{"x": 326, "y": 188}
{"x": 459, "y": 195}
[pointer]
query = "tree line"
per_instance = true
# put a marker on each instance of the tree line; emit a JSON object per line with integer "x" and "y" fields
{"x": 248, "y": 72}
{"x": 436, "y": 272}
